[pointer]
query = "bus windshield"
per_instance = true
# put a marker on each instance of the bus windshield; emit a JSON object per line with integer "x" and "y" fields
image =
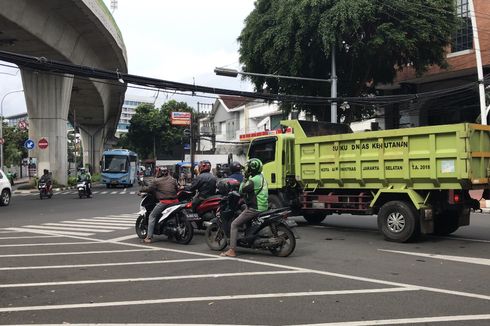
{"x": 115, "y": 163}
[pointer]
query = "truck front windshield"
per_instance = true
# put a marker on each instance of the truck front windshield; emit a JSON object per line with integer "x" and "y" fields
{"x": 264, "y": 149}
{"x": 115, "y": 163}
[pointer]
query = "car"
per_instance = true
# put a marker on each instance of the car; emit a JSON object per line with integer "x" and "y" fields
{"x": 5, "y": 189}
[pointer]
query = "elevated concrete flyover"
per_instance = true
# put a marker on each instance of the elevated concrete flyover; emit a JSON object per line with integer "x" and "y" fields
{"x": 81, "y": 32}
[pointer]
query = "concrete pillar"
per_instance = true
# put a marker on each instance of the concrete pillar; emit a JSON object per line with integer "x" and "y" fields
{"x": 48, "y": 101}
{"x": 93, "y": 146}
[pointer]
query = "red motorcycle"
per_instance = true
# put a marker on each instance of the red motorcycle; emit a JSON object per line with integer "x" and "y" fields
{"x": 206, "y": 211}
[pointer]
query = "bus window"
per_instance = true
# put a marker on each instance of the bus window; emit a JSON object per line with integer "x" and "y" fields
{"x": 115, "y": 163}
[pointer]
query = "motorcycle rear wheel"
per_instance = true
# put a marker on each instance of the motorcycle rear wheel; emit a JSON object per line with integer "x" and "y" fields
{"x": 288, "y": 241}
{"x": 185, "y": 232}
{"x": 215, "y": 237}
{"x": 141, "y": 227}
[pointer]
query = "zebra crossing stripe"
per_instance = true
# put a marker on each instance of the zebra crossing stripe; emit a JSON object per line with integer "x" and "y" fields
{"x": 67, "y": 228}
{"x": 111, "y": 222}
{"x": 85, "y": 226}
{"x": 98, "y": 223}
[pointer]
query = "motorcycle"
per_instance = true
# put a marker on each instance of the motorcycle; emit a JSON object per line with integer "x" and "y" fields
{"x": 270, "y": 230}
{"x": 44, "y": 190}
{"x": 83, "y": 189}
{"x": 171, "y": 223}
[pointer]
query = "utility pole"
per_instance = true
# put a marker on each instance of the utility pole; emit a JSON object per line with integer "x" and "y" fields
{"x": 333, "y": 88}
{"x": 198, "y": 130}
{"x": 479, "y": 65}
{"x": 192, "y": 147}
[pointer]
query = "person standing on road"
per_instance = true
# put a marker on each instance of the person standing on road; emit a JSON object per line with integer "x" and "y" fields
{"x": 165, "y": 188}
{"x": 254, "y": 189}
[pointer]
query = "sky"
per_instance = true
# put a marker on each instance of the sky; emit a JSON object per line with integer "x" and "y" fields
{"x": 176, "y": 40}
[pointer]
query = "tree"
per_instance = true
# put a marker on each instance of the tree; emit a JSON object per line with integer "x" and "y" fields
{"x": 13, "y": 148}
{"x": 373, "y": 39}
{"x": 150, "y": 131}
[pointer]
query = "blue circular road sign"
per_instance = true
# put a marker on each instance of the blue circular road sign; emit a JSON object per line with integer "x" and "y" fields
{"x": 29, "y": 144}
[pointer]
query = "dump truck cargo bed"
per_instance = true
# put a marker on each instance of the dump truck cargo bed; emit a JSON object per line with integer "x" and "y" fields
{"x": 426, "y": 158}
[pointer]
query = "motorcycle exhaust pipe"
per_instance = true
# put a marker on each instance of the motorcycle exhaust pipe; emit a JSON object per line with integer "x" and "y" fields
{"x": 207, "y": 223}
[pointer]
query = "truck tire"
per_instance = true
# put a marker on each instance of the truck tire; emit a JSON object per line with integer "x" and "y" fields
{"x": 275, "y": 202}
{"x": 446, "y": 222}
{"x": 314, "y": 218}
{"x": 398, "y": 221}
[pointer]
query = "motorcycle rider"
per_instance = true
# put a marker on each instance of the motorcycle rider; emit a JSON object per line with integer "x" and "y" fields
{"x": 165, "y": 188}
{"x": 204, "y": 184}
{"x": 254, "y": 189}
{"x": 84, "y": 176}
{"x": 236, "y": 171}
{"x": 46, "y": 178}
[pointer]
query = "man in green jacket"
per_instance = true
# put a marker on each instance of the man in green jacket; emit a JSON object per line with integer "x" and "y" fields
{"x": 254, "y": 189}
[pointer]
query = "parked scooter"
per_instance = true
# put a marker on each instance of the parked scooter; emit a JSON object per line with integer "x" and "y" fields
{"x": 270, "y": 230}
{"x": 44, "y": 190}
{"x": 171, "y": 223}
{"x": 83, "y": 189}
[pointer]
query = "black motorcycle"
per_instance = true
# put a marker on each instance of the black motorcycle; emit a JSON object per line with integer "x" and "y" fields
{"x": 172, "y": 222}
{"x": 269, "y": 231}
{"x": 44, "y": 190}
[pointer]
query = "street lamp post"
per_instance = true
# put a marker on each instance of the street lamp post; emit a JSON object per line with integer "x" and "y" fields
{"x": 234, "y": 73}
{"x": 1, "y": 125}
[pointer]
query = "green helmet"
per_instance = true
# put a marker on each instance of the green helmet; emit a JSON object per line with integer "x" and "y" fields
{"x": 253, "y": 166}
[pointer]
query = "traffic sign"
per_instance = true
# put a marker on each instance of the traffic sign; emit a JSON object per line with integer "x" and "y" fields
{"x": 29, "y": 144}
{"x": 42, "y": 143}
{"x": 2, "y": 141}
{"x": 187, "y": 132}
{"x": 22, "y": 124}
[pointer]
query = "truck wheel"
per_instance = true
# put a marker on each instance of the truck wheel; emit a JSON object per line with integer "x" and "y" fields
{"x": 314, "y": 218}
{"x": 446, "y": 222}
{"x": 275, "y": 202}
{"x": 398, "y": 221}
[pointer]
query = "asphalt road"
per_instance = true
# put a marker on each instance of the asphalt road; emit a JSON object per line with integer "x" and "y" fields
{"x": 70, "y": 260}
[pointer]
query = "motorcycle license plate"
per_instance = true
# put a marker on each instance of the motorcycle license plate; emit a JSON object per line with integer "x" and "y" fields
{"x": 192, "y": 216}
{"x": 114, "y": 182}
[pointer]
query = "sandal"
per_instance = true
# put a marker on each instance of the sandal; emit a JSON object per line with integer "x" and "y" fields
{"x": 147, "y": 240}
{"x": 228, "y": 253}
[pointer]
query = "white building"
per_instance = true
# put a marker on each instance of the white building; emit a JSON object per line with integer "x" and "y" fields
{"x": 131, "y": 102}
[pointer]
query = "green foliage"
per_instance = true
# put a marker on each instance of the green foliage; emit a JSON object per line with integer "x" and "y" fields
{"x": 13, "y": 148}
{"x": 150, "y": 130}
{"x": 72, "y": 181}
{"x": 372, "y": 40}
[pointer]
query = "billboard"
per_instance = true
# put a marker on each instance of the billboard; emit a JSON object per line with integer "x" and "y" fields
{"x": 180, "y": 118}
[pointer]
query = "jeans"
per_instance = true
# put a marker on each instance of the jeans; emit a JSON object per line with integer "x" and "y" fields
{"x": 155, "y": 213}
{"x": 244, "y": 217}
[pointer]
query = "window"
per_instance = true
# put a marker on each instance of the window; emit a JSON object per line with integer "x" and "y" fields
{"x": 264, "y": 149}
{"x": 463, "y": 39}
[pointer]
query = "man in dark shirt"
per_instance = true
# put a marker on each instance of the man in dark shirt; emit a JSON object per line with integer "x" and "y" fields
{"x": 204, "y": 184}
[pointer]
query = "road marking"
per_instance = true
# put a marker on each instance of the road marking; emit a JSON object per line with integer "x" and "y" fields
{"x": 466, "y": 239}
{"x": 68, "y": 228}
{"x": 124, "y": 219}
{"x": 76, "y": 235}
{"x": 132, "y": 192}
{"x": 198, "y": 299}
{"x": 76, "y": 226}
{"x": 76, "y": 253}
{"x": 113, "y": 222}
{"x": 103, "y": 192}
{"x": 123, "y": 216}
{"x": 123, "y": 238}
{"x": 461, "y": 259}
{"x": 406, "y": 321}
{"x": 100, "y": 224}
{"x": 148, "y": 279}
{"x": 114, "y": 192}
{"x": 110, "y": 264}
{"x": 49, "y": 244}
{"x": 31, "y": 237}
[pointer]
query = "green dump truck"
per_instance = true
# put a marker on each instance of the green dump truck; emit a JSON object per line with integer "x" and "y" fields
{"x": 416, "y": 180}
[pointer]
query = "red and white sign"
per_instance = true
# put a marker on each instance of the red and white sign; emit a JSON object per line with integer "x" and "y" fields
{"x": 252, "y": 135}
{"x": 22, "y": 124}
{"x": 42, "y": 143}
{"x": 180, "y": 118}
{"x": 2, "y": 141}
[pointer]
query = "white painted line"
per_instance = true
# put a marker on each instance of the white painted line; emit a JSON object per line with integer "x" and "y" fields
{"x": 132, "y": 192}
{"x": 466, "y": 239}
{"x": 103, "y": 192}
{"x": 76, "y": 253}
{"x": 122, "y": 219}
{"x": 113, "y": 222}
{"x": 30, "y": 237}
{"x": 95, "y": 192}
{"x": 123, "y": 238}
{"x": 81, "y": 225}
{"x": 95, "y": 223}
{"x": 147, "y": 279}
{"x": 114, "y": 192}
{"x": 460, "y": 259}
{"x": 48, "y": 244}
{"x": 110, "y": 264}
{"x": 406, "y": 321}
{"x": 76, "y": 235}
{"x": 122, "y": 216}
{"x": 67, "y": 228}
{"x": 198, "y": 299}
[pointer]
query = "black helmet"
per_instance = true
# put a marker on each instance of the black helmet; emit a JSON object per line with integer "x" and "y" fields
{"x": 235, "y": 167}
{"x": 204, "y": 166}
{"x": 45, "y": 171}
